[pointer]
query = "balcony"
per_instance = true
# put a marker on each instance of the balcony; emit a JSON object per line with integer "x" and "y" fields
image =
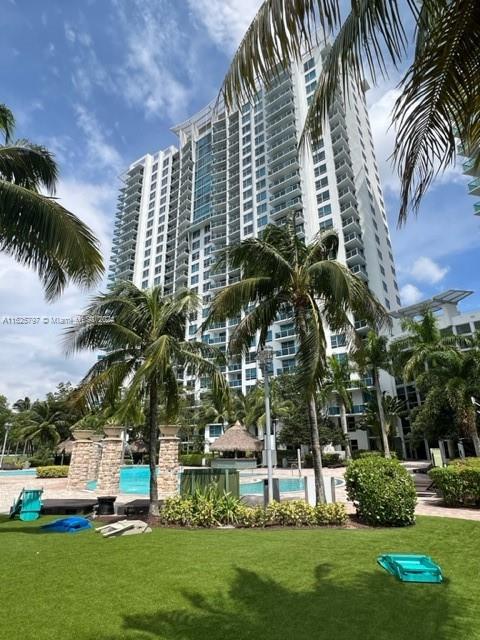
{"x": 286, "y": 333}
{"x": 359, "y": 271}
{"x": 474, "y": 187}
{"x": 347, "y": 195}
{"x": 279, "y": 210}
{"x": 355, "y": 256}
{"x": 476, "y": 208}
{"x": 285, "y": 352}
{"x": 352, "y": 240}
{"x": 293, "y": 189}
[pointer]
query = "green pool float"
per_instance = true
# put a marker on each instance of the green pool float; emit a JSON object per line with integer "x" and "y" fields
{"x": 411, "y": 567}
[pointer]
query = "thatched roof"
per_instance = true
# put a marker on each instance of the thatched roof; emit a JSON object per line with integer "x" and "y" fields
{"x": 65, "y": 446}
{"x": 236, "y": 438}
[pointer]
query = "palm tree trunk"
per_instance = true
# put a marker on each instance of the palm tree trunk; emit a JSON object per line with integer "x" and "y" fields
{"x": 343, "y": 423}
{"x": 152, "y": 448}
{"x": 316, "y": 451}
{"x": 381, "y": 415}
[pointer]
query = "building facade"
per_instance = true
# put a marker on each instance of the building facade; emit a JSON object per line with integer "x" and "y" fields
{"x": 233, "y": 174}
{"x": 451, "y": 321}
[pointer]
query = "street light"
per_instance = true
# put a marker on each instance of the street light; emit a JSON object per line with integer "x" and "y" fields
{"x": 8, "y": 426}
{"x": 265, "y": 358}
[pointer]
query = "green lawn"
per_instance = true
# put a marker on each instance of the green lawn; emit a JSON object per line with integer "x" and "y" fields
{"x": 295, "y": 585}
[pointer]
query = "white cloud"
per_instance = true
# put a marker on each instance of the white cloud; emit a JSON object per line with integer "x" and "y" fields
{"x": 410, "y": 294}
{"x": 102, "y": 154}
{"x": 427, "y": 270}
{"x": 225, "y": 20}
{"x": 34, "y": 353}
{"x": 156, "y": 56}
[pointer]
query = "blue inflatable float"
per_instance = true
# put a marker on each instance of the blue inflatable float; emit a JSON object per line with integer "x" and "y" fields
{"x": 67, "y": 525}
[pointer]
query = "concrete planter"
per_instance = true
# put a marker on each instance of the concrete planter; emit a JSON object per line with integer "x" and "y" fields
{"x": 82, "y": 434}
{"x": 168, "y": 430}
{"x": 113, "y": 431}
{"x": 96, "y": 437}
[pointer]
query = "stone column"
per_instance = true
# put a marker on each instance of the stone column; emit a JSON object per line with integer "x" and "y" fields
{"x": 80, "y": 460}
{"x": 168, "y": 460}
{"x": 96, "y": 456}
{"x": 112, "y": 458}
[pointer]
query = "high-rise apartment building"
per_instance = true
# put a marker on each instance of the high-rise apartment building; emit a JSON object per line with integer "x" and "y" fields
{"x": 235, "y": 173}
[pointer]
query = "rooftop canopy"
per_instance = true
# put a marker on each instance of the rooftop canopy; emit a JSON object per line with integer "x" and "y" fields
{"x": 435, "y": 303}
{"x": 236, "y": 438}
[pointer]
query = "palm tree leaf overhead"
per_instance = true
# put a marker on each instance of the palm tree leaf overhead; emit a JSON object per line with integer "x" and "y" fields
{"x": 35, "y": 229}
{"x": 440, "y": 91}
{"x": 439, "y": 101}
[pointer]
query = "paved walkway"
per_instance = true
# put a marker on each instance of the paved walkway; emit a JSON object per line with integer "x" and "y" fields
{"x": 428, "y": 505}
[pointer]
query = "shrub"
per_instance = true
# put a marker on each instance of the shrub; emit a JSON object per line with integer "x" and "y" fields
{"x": 195, "y": 459}
{"x": 459, "y": 482}
{"x": 42, "y": 458}
{"x": 382, "y": 490}
{"x": 209, "y": 510}
{"x": 332, "y": 460}
{"x": 52, "y": 472}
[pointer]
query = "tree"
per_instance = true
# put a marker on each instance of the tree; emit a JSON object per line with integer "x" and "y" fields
{"x": 373, "y": 356}
{"x": 393, "y": 409}
{"x": 281, "y": 272}
{"x": 424, "y": 347}
{"x": 440, "y": 89}
{"x": 142, "y": 335}
{"x": 45, "y": 420}
{"x": 34, "y": 228}
{"x": 337, "y": 383}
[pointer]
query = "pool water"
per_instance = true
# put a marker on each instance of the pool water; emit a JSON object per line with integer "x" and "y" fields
{"x": 135, "y": 479}
{"x": 18, "y": 472}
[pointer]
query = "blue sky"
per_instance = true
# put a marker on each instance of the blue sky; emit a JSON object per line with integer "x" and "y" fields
{"x": 100, "y": 82}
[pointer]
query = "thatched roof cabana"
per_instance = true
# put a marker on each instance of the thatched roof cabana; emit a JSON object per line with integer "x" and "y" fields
{"x": 236, "y": 438}
{"x": 65, "y": 447}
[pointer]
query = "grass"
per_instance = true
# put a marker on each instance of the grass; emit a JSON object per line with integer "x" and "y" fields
{"x": 194, "y": 585}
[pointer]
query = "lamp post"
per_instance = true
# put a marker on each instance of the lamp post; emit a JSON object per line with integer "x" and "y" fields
{"x": 265, "y": 357}
{"x": 8, "y": 426}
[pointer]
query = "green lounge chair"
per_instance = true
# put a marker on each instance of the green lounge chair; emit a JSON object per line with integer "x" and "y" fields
{"x": 28, "y": 505}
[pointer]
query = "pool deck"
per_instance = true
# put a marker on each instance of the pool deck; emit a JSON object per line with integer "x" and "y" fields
{"x": 56, "y": 488}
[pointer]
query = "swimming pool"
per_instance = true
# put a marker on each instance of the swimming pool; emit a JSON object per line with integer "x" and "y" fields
{"x": 18, "y": 472}
{"x": 135, "y": 479}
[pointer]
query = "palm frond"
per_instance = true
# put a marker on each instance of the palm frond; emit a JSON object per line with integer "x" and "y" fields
{"x": 440, "y": 99}
{"x": 28, "y": 165}
{"x": 39, "y": 233}
{"x": 372, "y": 33}
{"x": 275, "y": 37}
{"x": 7, "y": 122}
{"x": 230, "y": 301}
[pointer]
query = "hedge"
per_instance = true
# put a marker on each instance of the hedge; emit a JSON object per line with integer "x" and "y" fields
{"x": 52, "y": 472}
{"x": 195, "y": 459}
{"x": 210, "y": 510}
{"x": 382, "y": 491}
{"x": 459, "y": 482}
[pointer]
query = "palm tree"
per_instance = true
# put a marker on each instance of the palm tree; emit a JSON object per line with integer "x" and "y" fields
{"x": 143, "y": 337}
{"x": 424, "y": 347}
{"x": 337, "y": 383}
{"x": 462, "y": 382}
{"x": 22, "y": 404}
{"x": 44, "y": 421}
{"x": 373, "y": 356}
{"x": 34, "y": 228}
{"x": 281, "y": 272}
{"x": 393, "y": 409}
{"x": 440, "y": 88}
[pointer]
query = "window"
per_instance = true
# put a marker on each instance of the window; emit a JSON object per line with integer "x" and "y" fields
{"x": 387, "y": 303}
{"x": 326, "y": 224}
{"x": 323, "y": 196}
{"x": 326, "y": 210}
{"x": 310, "y": 76}
{"x": 309, "y": 64}
{"x": 251, "y": 374}
{"x": 385, "y": 286}
{"x": 261, "y": 222}
{"x": 194, "y": 280}
{"x": 461, "y": 329}
{"x": 338, "y": 340}
{"x": 195, "y": 267}
{"x": 215, "y": 430}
